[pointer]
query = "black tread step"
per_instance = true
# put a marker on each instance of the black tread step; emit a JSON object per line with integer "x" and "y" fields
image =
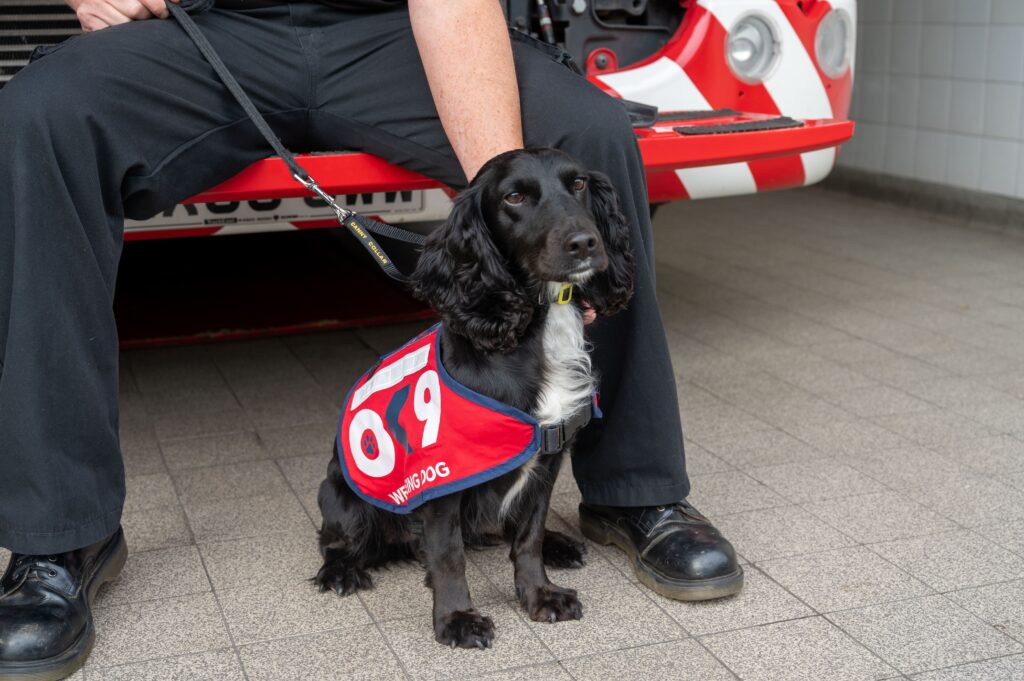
{"x": 747, "y": 126}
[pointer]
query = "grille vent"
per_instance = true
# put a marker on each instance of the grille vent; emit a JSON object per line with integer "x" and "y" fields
{"x": 24, "y": 24}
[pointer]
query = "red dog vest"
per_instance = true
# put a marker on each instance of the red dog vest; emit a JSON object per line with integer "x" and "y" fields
{"x": 409, "y": 432}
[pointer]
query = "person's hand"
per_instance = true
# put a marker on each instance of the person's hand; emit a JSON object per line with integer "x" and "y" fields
{"x": 94, "y": 15}
{"x": 589, "y": 315}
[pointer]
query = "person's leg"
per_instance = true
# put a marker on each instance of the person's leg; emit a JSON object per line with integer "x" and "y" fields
{"x": 127, "y": 120}
{"x": 634, "y": 455}
{"x": 124, "y": 120}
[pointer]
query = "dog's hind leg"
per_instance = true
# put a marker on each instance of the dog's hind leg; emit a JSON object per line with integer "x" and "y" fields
{"x": 342, "y": 537}
{"x": 562, "y": 551}
{"x": 341, "y": 574}
{"x": 456, "y": 622}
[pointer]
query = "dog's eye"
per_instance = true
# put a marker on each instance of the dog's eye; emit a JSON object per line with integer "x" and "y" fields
{"x": 579, "y": 184}
{"x": 514, "y": 198}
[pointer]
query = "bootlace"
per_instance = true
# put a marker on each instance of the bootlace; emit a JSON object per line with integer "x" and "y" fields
{"x": 688, "y": 512}
{"x": 41, "y": 566}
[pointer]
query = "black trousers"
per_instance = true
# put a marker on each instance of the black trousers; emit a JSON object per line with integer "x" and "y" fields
{"x": 129, "y": 120}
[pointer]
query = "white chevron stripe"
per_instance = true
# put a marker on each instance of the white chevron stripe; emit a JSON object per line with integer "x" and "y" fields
{"x": 665, "y": 84}
{"x": 708, "y": 182}
{"x": 662, "y": 83}
{"x": 818, "y": 164}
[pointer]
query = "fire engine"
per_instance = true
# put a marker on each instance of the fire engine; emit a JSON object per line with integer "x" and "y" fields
{"x": 750, "y": 96}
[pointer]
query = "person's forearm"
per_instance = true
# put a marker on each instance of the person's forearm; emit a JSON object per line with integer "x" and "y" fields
{"x": 467, "y": 56}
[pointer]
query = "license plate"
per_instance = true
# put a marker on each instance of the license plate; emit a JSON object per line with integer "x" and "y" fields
{"x": 269, "y": 211}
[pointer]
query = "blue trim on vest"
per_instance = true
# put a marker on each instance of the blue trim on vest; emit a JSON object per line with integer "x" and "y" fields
{"x": 457, "y": 485}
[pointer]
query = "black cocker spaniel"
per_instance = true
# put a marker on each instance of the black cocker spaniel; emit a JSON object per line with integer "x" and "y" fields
{"x": 530, "y": 223}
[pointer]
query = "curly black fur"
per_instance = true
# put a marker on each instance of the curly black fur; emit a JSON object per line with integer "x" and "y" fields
{"x": 464, "y": 277}
{"x": 610, "y": 291}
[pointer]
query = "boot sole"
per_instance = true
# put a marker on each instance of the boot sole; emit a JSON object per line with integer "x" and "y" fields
{"x": 606, "y": 534}
{"x": 71, "y": 660}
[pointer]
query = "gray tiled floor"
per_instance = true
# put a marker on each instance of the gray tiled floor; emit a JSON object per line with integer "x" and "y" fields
{"x": 852, "y": 379}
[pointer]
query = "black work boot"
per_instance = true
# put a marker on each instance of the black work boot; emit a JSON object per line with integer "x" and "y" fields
{"x": 46, "y": 628}
{"x": 674, "y": 550}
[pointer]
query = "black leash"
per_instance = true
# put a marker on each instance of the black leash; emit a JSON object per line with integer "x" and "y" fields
{"x": 360, "y": 225}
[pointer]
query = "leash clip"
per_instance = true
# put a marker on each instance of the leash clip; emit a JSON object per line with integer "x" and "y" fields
{"x": 564, "y": 294}
{"x": 312, "y": 185}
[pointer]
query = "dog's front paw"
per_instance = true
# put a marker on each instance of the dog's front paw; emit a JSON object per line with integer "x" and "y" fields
{"x": 552, "y": 604}
{"x": 562, "y": 551}
{"x": 342, "y": 579}
{"x": 465, "y": 629}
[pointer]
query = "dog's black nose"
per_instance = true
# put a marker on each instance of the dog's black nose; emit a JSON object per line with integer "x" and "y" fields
{"x": 581, "y": 245}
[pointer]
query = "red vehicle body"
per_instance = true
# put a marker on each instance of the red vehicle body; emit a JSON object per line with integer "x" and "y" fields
{"x": 739, "y": 61}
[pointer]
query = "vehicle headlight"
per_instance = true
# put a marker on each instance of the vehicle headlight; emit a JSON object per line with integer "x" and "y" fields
{"x": 752, "y": 48}
{"x": 832, "y": 43}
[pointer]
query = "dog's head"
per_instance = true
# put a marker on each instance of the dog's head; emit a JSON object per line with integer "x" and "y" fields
{"x": 530, "y": 217}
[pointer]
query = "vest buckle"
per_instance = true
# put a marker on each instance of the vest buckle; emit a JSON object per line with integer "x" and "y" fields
{"x": 552, "y": 438}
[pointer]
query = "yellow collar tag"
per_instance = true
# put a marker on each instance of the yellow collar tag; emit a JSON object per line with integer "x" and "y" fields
{"x": 564, "y": 294}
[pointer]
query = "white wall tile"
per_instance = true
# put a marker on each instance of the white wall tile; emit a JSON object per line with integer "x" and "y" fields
{"x": 907, "y": 11}
{"x": 875, "y": 49}
{"x": 972, "y": 11}
{"x": 963, "y": 162}
{"x": 1007, "y": 12}
{"x": 1005, "y": 59}
{"x": 906, "y": 49}
{"x": 874, "y": 11}
{"x": 967, "y": 113}
{"x": 902, "y": 100}
{"x": 970, "y": 51}
{"x": 937, "y": 50}
{"x": 933, "y": 103}
{"x": 899, "y": 151}
{"x": 872, "y": 97}
{"x": 1003, "y": 110}
{"x": 938, "y": 11}
{"x": 872, "y": 152}
{"x": 939, "y": 94}
{"x": 1021, "y": 135}
{"x": 931, "y": 149}
{"x": 999, "y": 167}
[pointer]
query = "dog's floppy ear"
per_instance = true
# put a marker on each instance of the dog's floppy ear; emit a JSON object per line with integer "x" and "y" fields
{"x": 610, "y": 291}
{"x": 462, "y": 275}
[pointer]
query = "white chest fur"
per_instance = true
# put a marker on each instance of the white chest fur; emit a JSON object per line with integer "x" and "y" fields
{"x": 568, "y": 384}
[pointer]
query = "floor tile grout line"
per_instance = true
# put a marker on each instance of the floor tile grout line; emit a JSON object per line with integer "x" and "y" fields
{"x": 810, "y": 553}
{"x": 865, "y": 646}
{"x": 810, "y": 264}
{"x": 773, "y": 303}
{"x": 641, "y": 647}
{"x": 871, "y": 548}
{"x": 94, "y": 668}
{"x": 969, "y": 663}
{"x": 762, "y": 569}
{"x": 380, "y": 631}
{"x": 901, "y": 497}
{"x": 921, "y": 671}
{"x": 295, "y": 493}
{"x": 1002, "y": 546}
{"x": 689, "y": 634}
{"x": 223, "y": 616}
{"x": 990, "y": 625}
